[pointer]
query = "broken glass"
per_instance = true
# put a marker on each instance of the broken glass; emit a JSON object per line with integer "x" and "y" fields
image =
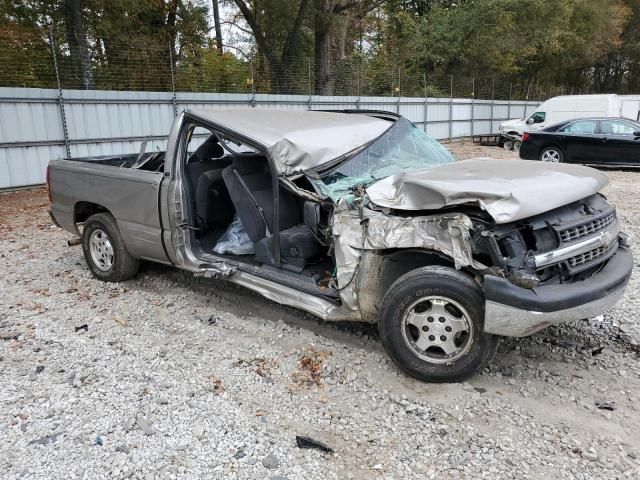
{"x": 401, "y": 148}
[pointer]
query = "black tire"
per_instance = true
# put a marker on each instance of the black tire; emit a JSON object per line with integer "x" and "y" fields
{"x": 516, "y": 145}
{"x": 552, "y": 152}
{"x": 441, "y": 283}
{"x": 122, "y": 266}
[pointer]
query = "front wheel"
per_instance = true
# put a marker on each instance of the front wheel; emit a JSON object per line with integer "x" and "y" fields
{"x": 105, "y": 251}
{"x": 431, "y": 325}
{"x": 552, "y": 155}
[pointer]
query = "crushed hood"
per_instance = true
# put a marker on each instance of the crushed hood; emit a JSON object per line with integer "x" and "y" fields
{"x": 507, "y": 190}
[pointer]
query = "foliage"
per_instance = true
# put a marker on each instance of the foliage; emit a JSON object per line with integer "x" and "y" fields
{"x": 476, "y": 48}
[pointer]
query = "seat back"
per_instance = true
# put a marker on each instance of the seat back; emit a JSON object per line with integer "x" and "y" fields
{"x": 249, "y": 182}
{"x": 213, "y": 204}
{"x": 200, "y": 160}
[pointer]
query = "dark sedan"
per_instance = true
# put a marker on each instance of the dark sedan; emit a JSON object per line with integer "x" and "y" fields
{"x": 593, "y": 141}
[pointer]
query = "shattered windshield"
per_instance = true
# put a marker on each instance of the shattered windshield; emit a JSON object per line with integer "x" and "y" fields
{"x": 401, "y": 148}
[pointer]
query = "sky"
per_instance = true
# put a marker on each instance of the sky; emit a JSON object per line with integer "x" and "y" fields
{"x": 231, "y": 34}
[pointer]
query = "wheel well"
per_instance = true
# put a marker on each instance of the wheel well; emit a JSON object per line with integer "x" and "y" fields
{"x": 385, "y": 267}
{"x": 83, "y": 210}
{"x": 552, "y": 145}
{"x": 399, "y": 262}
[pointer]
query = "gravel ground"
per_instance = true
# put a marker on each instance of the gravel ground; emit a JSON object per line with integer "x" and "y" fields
{"x": 167, "y": 376}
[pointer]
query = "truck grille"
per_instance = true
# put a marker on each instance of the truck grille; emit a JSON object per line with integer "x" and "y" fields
{"x": 589, "y": 228}
{"x": 586, "y": 257}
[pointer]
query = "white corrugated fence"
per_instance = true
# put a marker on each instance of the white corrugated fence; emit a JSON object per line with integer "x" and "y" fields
{"x": 39, "y": 124}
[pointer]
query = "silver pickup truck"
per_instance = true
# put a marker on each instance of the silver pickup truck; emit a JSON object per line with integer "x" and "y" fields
{"x": 357, "y": 216}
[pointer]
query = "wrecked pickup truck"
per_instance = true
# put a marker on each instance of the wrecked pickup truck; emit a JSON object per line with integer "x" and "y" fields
{"x": 357, "y": 216}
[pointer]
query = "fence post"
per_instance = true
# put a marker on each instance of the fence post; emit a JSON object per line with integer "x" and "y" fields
{"x": 426, "y": 103}
{"x": 473, "y": 104}
{"x": 451, "y": 108}
{"x": 399, "y": 93}
{"x": 493, "y": 97}
{"x": 63, "y": 117}
{"x": 509, "y": 104}
{"x": 358, "y": 87}
{"x": 173, "y": 84}
{"x": 252, "y": 102}
{"x": 309, "y": 83}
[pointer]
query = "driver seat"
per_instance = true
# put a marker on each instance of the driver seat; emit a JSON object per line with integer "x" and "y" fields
{"x": 250, "y": 187}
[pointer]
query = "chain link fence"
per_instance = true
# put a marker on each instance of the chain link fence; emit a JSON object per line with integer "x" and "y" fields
{"x": 143, "y": 66}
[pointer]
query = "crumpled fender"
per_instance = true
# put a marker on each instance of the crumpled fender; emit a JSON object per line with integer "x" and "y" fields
{"x": 355, "y": 234}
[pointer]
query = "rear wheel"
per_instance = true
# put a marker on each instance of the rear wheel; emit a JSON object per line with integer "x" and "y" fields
{"x": 105, "y": 251}
{"x": 516, "y": 145}
{"x": 431, "y": 324}
{"x": 552, "y": 155}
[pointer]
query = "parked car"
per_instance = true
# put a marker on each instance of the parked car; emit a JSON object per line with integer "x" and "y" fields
{"x": 356, "y": 216}
{"x": 593, "y": 141}
{"x": 569, "y": 107}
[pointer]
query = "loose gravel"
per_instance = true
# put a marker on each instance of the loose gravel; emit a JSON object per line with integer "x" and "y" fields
{"x": 169, "y": 376}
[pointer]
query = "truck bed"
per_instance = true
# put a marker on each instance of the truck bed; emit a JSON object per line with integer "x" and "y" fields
{"x": 151, "y": 161}
{"x": 126, "y": 186}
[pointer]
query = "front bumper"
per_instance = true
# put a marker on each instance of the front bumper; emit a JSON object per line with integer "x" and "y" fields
{"x": 517, "y": 312}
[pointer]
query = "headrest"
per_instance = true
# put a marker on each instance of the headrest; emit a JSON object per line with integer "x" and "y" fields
{"x": 208, "y": 150}
{"x": 248, "y": 165}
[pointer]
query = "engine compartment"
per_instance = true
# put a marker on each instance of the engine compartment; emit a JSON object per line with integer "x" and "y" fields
{"x": 516, "y": 249}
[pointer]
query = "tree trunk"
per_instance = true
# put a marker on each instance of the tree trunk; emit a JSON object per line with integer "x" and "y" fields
{"x": 322, "y": 52}
{"x": 78, "y": 46}
{"x": 330, "y": 15}
{"x": 216, "y": 24}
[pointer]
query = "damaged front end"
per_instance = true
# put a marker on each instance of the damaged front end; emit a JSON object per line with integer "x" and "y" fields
{"x": 559, "y": 246}
{"x": 566, "y": 264}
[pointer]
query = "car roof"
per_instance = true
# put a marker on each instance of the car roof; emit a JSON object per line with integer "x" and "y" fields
{"x": 595, "y": 119}
{"x": 299, "y": 140}
{"x": 600, "y": 118}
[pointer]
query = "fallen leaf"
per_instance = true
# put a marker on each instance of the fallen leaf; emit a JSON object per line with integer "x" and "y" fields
{"x": 215, "y": 384}
{"x": 121, "y": 321}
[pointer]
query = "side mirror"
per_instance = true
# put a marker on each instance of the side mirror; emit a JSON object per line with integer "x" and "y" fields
{"x": 636, "y": 133}
{"x": 530, "y": 121}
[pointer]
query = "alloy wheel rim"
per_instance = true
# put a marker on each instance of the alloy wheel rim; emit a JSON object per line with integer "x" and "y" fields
{"x": 437, "y": 329}
{"x": 101, "y": 250}
{"x": 551, "y": 156}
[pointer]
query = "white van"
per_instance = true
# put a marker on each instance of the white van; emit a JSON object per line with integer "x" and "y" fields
{"x": 559, "y": 109}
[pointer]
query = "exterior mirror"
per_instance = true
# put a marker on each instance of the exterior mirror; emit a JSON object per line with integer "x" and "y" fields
{"x": 636, "y": 133}
{"x": 537, "y": 117}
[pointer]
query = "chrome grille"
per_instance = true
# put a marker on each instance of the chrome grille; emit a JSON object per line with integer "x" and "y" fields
{"x": 589, "y": 256}
{"x": 589, "y": 228}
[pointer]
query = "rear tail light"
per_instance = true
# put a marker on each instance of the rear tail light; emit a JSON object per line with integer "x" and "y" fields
{"x": 48, "y": 181}
{"x": 525, "y": 137}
